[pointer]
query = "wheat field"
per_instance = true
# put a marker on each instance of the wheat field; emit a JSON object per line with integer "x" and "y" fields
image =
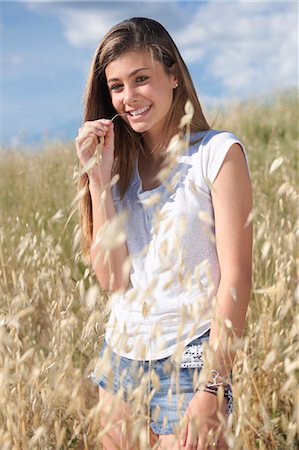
{"x": 52, "y": 309}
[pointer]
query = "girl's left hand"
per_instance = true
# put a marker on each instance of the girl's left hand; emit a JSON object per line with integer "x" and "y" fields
{"x": 201, "y": 417}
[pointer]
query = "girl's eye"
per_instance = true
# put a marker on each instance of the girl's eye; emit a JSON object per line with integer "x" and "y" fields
{"x": 141, "y": 79}
{"x": 116, "y": 87}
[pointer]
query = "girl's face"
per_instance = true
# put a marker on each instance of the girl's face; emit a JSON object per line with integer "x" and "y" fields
{"x": 140, "y": 87}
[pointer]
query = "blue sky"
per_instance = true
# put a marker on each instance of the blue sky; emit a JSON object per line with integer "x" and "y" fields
{"x": 235, "y": 50}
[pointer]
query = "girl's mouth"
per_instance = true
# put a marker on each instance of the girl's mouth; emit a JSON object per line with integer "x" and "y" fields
{"x": 138, "y": 112}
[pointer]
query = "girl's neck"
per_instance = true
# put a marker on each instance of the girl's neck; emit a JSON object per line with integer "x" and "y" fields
{"x": 154, "y": 153}
{"x": 154, "y": 147}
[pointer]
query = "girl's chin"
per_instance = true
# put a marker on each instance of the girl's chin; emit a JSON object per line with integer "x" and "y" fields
{"x": 139, "y": 127}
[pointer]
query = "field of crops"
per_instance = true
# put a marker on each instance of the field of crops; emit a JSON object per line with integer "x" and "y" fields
{"x": 51, "y": 308}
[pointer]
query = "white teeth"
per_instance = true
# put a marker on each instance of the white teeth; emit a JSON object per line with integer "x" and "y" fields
{"x": 139, "y": 111}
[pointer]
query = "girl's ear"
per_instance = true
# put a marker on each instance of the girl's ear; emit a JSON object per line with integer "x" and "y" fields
{"x": 173, "y": 71}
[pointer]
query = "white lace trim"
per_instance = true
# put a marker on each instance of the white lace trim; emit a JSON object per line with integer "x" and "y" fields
{"x": 192, "y": 355}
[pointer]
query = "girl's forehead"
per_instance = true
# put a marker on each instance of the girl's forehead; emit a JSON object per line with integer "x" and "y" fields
{"x": 132, "y": 55}
{"x": 130, "y": 61}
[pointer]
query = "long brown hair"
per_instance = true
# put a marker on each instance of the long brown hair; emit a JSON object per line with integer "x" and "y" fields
{"x": 137, "y": 34}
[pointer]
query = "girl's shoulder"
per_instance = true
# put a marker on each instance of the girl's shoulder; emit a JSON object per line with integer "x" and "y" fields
{"x": 212, "y": 143}
{"x": 212, "y": 138}
{"x": 207, "y": 153}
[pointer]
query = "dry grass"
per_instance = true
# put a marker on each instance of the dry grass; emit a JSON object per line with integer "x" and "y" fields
{"x": 51, "y": 310}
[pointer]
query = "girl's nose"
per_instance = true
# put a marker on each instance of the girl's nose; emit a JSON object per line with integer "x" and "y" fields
{"x": 129, "y": 96}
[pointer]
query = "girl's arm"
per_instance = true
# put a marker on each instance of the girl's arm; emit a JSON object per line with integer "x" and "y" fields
{"x": 108, "y": 267}
{"x": 232, "y": 202}
{"x": 109, "y": 273}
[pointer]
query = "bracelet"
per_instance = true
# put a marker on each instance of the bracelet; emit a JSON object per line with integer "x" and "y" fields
{"x": 210, "y": 390}
{"x": 217, "y": 380}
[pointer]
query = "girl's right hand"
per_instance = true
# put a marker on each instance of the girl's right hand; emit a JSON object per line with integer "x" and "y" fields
{"x": 86, "y": 142}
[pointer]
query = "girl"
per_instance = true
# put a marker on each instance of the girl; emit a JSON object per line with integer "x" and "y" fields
{"x": 178, "y": 268}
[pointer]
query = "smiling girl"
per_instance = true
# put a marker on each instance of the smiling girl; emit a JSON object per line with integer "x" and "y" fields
{"x": 189, "y": 278}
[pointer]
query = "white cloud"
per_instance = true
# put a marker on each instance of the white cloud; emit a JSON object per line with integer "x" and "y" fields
{"x": 86, "y": 23}
{"x": 87, "y": 27}
{"x": 245, "y": 46}
{"x": 11, "y": 60}
{"x": 16, "y": 60}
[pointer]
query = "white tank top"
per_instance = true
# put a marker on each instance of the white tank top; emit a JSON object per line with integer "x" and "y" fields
{"x": 171, "y": 241}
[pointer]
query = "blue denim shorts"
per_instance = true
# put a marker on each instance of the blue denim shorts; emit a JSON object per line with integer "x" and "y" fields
{"x": 161, "y": 386}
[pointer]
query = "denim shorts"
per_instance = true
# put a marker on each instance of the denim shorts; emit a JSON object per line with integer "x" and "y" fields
{"x": 163, "y": 387}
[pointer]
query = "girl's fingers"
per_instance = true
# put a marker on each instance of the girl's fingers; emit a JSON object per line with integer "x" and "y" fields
{"x": 109, "y": 137}
{"x": 192, "y": 434}
{"x": 98, "y": 122}
{"x": 100, "y": 126}
{"x": 183, "y": 432}
{"x": 100, "y": 130}
{"x": 85, "y": 137}
{"x": 89, "y": 133}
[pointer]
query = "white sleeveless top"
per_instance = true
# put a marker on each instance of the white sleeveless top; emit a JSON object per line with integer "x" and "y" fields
{"x": 171, "y": 241}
